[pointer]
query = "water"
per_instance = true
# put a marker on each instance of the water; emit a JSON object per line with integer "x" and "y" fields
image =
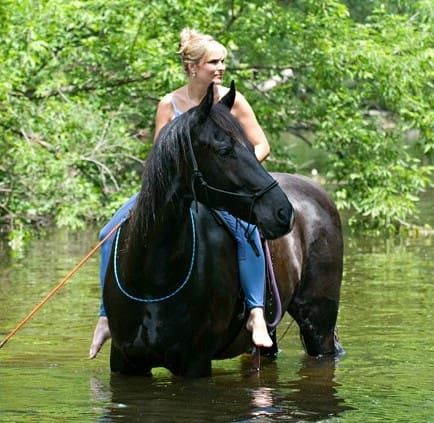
{"x": 386, "y": 326}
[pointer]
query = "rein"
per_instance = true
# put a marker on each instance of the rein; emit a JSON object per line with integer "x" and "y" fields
{"x": 165, "y": 297}
{"x": 274, "y": 288}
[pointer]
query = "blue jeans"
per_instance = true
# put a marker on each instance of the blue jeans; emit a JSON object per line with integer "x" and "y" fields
{"x": 251, "y": 267}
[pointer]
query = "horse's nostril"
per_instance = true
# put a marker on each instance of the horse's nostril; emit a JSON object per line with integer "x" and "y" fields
{"x": 286, "y": 215}
{"x": 281, "y": 213}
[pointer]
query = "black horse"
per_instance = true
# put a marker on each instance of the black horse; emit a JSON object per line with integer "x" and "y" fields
{"x": 172, "y": 291}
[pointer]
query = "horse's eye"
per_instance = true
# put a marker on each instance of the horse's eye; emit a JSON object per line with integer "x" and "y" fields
{"x": 226, "y": 151}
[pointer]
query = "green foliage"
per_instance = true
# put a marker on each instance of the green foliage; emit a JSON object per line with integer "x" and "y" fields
{"x": 378, "y": 88}
{"x": 80, "y": 81}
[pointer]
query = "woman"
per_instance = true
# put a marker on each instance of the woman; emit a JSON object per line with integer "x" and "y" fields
{"x": 203, "y": 59}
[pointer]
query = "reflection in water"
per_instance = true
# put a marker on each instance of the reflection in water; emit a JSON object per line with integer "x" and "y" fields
{"x": 263, "y": 402}
{"x": 315, "y": 393}
{"x": 311, "y": 397}
{"x": 265, "y": 396}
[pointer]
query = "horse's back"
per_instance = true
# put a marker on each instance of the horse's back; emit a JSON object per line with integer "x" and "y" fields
{"x": 309, "y": 199}
{"x": 316, "y": 216}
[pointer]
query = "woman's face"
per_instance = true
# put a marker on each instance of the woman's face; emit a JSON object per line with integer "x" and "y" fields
{"x": 211, "y": 68}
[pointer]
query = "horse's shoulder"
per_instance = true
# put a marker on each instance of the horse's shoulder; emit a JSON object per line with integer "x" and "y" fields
{"x": 210, "y": 223}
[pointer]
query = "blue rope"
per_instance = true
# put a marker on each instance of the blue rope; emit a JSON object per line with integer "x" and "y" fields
{"x": 154, "y": 300}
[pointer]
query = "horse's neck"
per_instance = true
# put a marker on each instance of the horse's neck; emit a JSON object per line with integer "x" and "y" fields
{"x": 165, "y": 238}
{"x": 168, "y": 227}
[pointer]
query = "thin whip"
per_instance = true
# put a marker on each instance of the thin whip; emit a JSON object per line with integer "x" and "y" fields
{"x": 58, "y": 286}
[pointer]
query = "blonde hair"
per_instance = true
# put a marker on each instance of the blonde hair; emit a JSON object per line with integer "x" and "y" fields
{"x": 195, "y": 46}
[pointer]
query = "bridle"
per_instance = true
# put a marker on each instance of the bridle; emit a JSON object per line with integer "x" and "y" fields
{"x": 197, "y": 177}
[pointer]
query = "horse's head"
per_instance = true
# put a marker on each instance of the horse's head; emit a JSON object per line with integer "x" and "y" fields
{"x": 226, "y": 173}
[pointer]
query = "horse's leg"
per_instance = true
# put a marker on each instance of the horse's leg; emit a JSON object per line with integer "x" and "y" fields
{"x": 119, "y": 363}
{"x": 198, "y": 368}
{"x": 315, "y": 303}
{"x": 191, "y": 366}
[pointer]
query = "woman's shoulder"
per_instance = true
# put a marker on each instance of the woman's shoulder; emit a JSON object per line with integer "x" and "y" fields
{"x": 168, "y": 102}
{"x": 167, "y": 98}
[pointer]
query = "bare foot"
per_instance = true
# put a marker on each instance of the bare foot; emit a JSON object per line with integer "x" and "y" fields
{"x": 100, "y": 336}
{"x": 256, "y": 324}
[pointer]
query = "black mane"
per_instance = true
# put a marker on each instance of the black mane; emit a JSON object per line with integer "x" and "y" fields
{"x": 163, "y": 165}
{"x": 166, "y": 165}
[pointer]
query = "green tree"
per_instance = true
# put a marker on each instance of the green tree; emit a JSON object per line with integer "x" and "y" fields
{"x": 80, "y": 82}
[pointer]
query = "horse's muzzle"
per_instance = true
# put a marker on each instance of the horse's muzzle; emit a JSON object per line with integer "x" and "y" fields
{"x": 275, "y": 222}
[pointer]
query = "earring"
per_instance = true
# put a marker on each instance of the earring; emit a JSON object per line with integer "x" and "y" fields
{"x": 194, "y": 74}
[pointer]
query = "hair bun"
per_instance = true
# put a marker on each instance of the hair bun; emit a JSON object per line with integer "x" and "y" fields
{"x": 189, "y": 35}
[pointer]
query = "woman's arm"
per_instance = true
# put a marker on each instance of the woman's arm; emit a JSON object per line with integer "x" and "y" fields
{"x": 163, "y": 115}
{"x": 246, "y": 116}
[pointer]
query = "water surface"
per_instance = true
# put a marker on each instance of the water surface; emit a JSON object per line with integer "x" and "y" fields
{"x": 386, "y": 326}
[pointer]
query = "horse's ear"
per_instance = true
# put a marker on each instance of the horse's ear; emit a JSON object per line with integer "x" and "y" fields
{"x": 205, "y": 105}
{"x": 229, "y": 98}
